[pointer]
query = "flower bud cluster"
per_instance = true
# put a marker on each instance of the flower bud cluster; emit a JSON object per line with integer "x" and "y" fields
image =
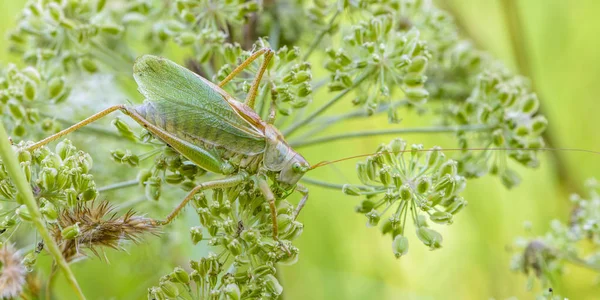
{"x": 59, "y": 179}
{"x": 24, "y": 91}
{"x": 204, "y": 25}
{"x": 402, "y": 180}
{"x": 287, "y": 82}
{"x": 71, "y": 33}
{"x": 577, "y": 241}
{"x": 236, "y": 224}
{"x": 390, "y": 57}
{"x": 506, "y": 105}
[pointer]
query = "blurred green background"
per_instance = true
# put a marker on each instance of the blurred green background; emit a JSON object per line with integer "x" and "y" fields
{"x": 343, "y": 259}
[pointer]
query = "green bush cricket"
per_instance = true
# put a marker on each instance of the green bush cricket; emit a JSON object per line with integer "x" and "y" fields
{"x": 209, "y": 127}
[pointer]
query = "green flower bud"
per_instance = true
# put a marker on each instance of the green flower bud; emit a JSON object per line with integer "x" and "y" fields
{"x": 448, "y": 168}
{"x": 180, "y": 275}
{"x": 530, "y": 105}
{"x": 441, "y": 217}
{"x": 24, "y": 155}
{"x": 65, "y": 149}
{"x": 19, "y": 130}
{"x": 429, "y": 237}
{"x": 186, "y": 38}
{"x": 23, "y": 213}
{"x": 89, "y": 194}
{"x": 433, "y": 156}
{"x": 423, "y": 184}
{"x": 71, "y": 196}
{"x": 49, "y": 178}
{"x": 510, "y": 178}
{"x": 232, "y": 291}
{"x": 152, "y": 189}
{"x": 33, "y": 74}
{"x": 397, "y": 178}
{"x": 26, "y": 167}
{"x": 400, "y": 246}
{"x": 169, "y": 289}
{"x": 56, "y": 87}
{"x": 16, "y": 109}
{"x": 143, "y": 176}
{"x": 539, "y": 125}
{"x": 100, "y": 5}
{"x": 498, "y": 138}
{"x": 365, "y": 206}
{"x": 70, "y": 232}
{"x": 49, "y": 211}
{"x": 405, "y": 192}
{"x": 351, "y": 190}
{"x": 55, "y": 11}
{"x": 88, "y": 65}
{"x": 384, "y": 175}
{"x": 196, "y": 234}
{"x": 416, "y": 94}
{"x": 418, "y": 65}
{"x": 155, "y": 293}
{"x": 111, "y": 29}
{"x": 397, "y": 146}
{"x": 522, "y": 130}
{"x": 272, "y": 285}
{"x": 373, "y": 218}
{"x": 235, "y": 247}
{"x": 456, "y": 206}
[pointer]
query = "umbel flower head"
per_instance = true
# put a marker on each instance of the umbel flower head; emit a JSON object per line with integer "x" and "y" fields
{"x": 94, "y": 226}
{"x": 401, "y": 180}
{"x": 236, "y": 225}
{"x": 544, "y": 256}
{"x": 12, "y": 272}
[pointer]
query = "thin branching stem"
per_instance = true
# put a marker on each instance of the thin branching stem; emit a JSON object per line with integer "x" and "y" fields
{"x": 118, "y": 185}
{"x": 327, "y": 105}
{"x": 13, "y": 168}
{"x": 370, "y": 133}
{"x": 319, "y": 37}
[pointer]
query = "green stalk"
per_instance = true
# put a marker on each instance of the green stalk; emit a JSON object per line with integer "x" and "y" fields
{"x": 319, "y": 37}
{"x": 369, "y": 133}
{"x": 13, "y": 168}
{"x": 118, "y": 185}
{"x": 327, "y": 105}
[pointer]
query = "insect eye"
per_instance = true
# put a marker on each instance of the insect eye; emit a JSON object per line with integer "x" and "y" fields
{"x": 297, "y": 167}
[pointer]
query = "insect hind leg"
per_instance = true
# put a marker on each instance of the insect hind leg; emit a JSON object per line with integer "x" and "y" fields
{"x": 76, "y": 126}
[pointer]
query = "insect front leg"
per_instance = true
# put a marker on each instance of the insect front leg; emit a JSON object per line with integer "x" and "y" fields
{"x": 304, "y": 191}
{"x": 215, "y": 184}
{"x": 251, "y": 97}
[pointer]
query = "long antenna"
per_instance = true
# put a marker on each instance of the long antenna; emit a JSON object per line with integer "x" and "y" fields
{"x": 327, "y": 162}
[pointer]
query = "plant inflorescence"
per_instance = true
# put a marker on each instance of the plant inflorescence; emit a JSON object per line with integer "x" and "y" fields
{"x": 390, "y": 57}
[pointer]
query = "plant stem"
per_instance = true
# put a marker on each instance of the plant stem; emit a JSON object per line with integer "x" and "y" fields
{"x": 327, "y": 105}
{"x": 13, "y": 168}
{"x": 319, "y": 37}
{"x": 438, "y": 129}
{"x": 118, "y": 185}
{"x": 582, "y": 263}
{"x": 320, "y": 183}
{"x": 358, "y": 113}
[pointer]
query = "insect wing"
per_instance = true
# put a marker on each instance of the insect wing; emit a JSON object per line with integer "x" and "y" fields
{"x": 188, "y": 106}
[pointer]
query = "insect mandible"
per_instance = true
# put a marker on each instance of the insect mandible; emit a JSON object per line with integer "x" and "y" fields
{"x": 202, "y": 122}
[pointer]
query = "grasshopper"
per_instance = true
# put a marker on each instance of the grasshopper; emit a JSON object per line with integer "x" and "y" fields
{"x": 202, "y": 122}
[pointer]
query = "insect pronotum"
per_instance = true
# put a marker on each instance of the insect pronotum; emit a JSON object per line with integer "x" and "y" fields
{"x": 196, "y": 118}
